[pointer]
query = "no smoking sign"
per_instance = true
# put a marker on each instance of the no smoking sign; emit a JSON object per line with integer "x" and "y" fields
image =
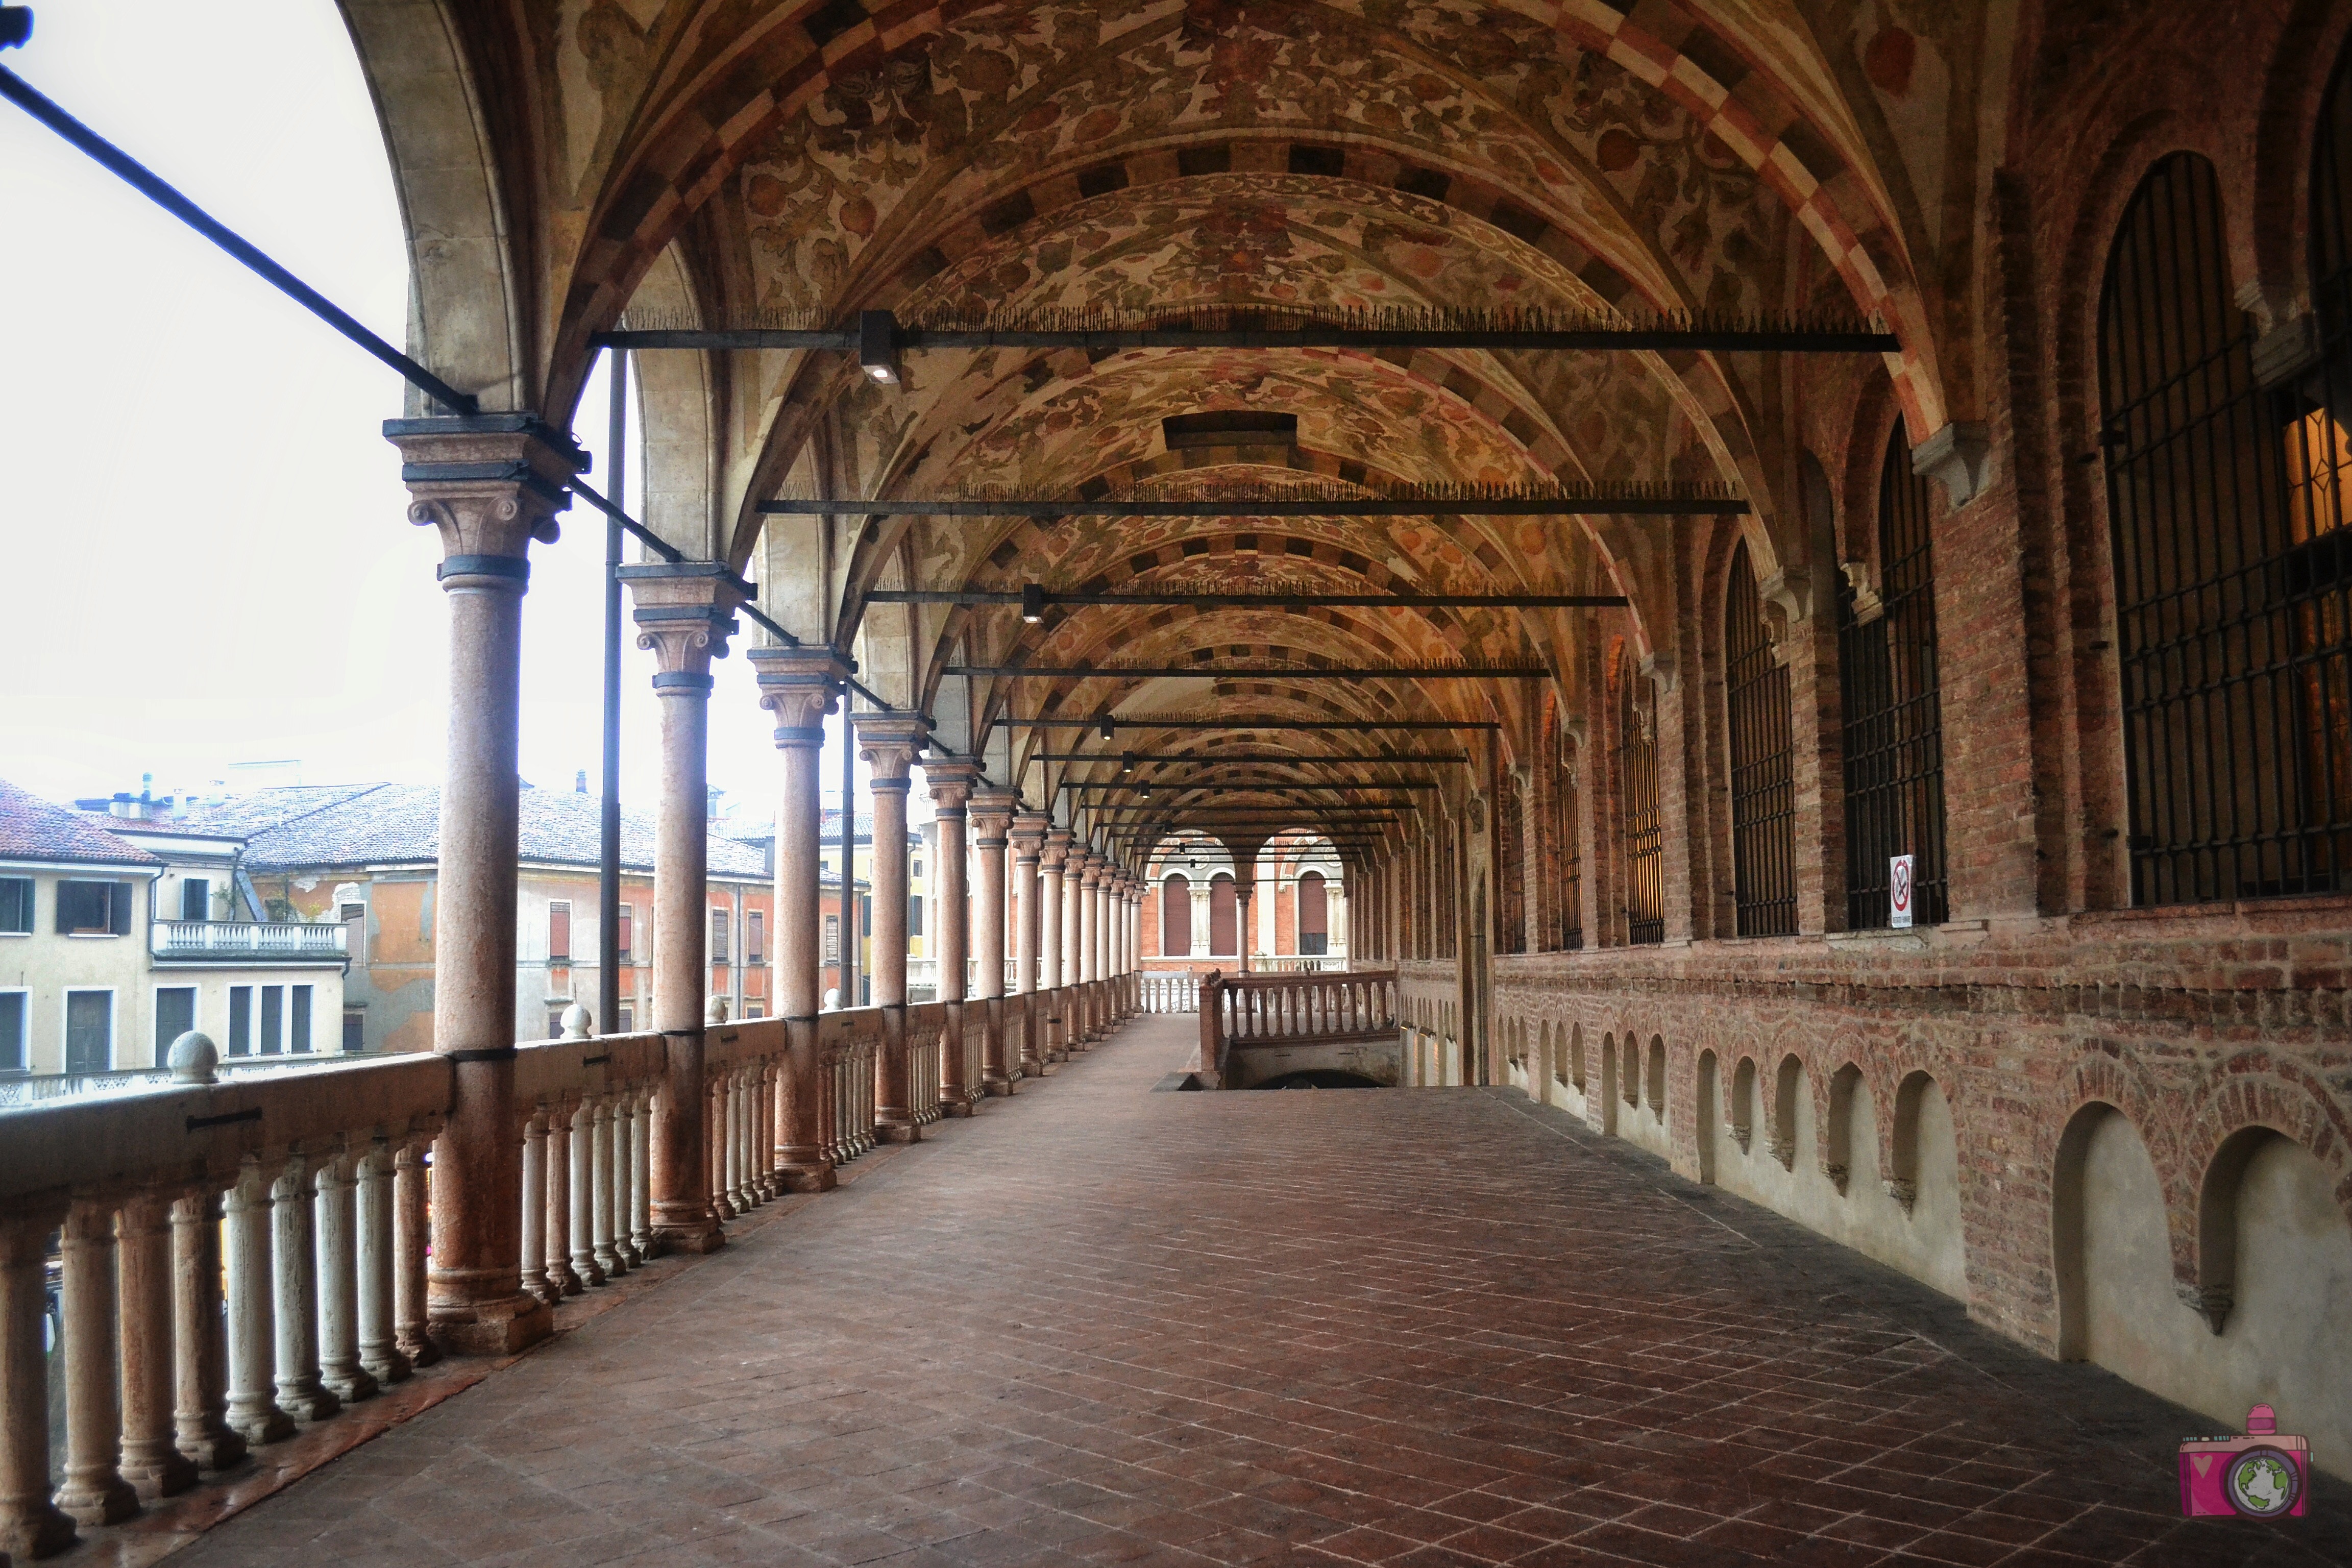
{"x": 1898, "y": 891}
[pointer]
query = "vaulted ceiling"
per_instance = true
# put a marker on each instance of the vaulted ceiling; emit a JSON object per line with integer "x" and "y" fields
{"x": 734, "y": 162}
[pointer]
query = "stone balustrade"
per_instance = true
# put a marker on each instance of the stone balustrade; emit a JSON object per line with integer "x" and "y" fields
{"x": 243, "y": 1256}
{"x": 1298, "y": 1022}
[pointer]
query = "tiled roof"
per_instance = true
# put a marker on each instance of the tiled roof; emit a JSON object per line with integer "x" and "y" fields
{"x": 385, "y": 823}
{"x": 829, "y": 829}
{"x": 242, "y": 815}
{"x": 33, "y": 829}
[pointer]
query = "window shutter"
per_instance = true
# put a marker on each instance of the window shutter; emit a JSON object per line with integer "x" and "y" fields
{"x": 559, "y": 931}
{"x": 755, "y": 937}
{"x": 625, "y": 933}
{"x": 118, "y": 911}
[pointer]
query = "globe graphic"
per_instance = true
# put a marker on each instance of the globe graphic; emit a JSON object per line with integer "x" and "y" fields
{"x": 2263, "y": 1483}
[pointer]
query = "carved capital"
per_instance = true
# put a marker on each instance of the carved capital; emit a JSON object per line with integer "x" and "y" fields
{"x": 2287, "y": 350}
{"x": 1960, "y": 456}
{"x": 1788, "y": 598}
{"x": 950, "y": 780}
{"x": 491, "y": 483}
{"x": 1090, "y": 870}
{"x": 992, "y": 811}
{"x": 799, "y": 686}
{"x": 2210, "y": 1302}
{"x": 888, "y": 743}
{"x": 1660, "y": 670}
{"x": 1055, "y": 851}
{"x": 685, "y": 613}
{"x": 1028, "y": 833}
{"x": 1867, "y": 605}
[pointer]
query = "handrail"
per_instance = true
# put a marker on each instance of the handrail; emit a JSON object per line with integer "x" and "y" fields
{"x": 1249, "y": 1011}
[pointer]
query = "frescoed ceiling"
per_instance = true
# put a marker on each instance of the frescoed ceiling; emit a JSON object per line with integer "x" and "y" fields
{"x": 742, "y": 161}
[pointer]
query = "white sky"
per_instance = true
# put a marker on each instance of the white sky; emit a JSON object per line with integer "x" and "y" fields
{"x": 208, "y": 560}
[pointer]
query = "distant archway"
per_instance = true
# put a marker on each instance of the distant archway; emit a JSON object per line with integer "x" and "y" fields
{"x": 1176, "y": 916}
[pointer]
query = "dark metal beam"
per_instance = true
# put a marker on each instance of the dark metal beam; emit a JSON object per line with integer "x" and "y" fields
{"x": 1269, "y": 601}
{"x": 1254, "y": 672}
{"x": 1007, "y": 721}
{"x": 1522, "y": 332}
{"x": 1691, "y": 505}
{"x": 164, "y": 194}
{"x": 1238, "y": 758}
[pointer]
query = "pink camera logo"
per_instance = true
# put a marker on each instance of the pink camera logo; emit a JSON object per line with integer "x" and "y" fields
{"x": 2259, "y": 1476}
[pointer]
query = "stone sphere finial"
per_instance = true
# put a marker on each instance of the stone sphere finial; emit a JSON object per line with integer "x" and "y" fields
{"x": 193, "y": 1059}
{"x": 715, "y": 1010}
{"x": 578, "y": 1023}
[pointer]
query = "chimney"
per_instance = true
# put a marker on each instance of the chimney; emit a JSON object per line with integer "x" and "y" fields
{"x": 580, "y": 782}
{"x": 714, "y": 794}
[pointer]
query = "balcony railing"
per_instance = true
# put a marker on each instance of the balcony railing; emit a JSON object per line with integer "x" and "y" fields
{"x": 256, "y": 941}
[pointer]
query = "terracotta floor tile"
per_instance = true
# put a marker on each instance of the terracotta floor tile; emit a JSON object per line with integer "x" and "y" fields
{"x": 1100, "y": 1325}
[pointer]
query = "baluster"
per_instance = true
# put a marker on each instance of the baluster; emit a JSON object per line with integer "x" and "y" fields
{"x": 379, "y": 1350}
{"x": 412, "y": 1228}
{"x": 31, "y": 1525}
{"x": 739, "y": 1146}
{"x": 641, "y": 1131}
{"x": 580, "y": 1223}
{"x": 294, "y": 1267}
{"x": 150, "y": 1462}
{"x": 600, "y": 1206}
{"x": 253, "y": 1408}
{"x": 534, "y": 1209}
{"x": 94, "y": 1492}
{"x": 199, "y": 1332}
{"x": 339, "y": 1345}
{"x": 763, "y": 1116}
{"x": 560, "y": 1277}
{"x": 624, "y": 1146}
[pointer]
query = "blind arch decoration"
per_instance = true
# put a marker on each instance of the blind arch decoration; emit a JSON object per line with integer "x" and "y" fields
{"x": 1224, "y": 924}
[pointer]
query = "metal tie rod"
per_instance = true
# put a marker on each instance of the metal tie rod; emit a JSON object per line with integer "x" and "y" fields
{"x": 1261, "y": 601}
{"x": 155, "y": 188}
{"x": 1241, "y": 726}
{"x": 1238, "y": 758}
{"x": 1287, "y": 506}
{"x": 1259, "y": 672}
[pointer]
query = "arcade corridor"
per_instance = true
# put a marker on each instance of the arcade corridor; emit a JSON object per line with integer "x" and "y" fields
{"x": 1098, "y": 1324}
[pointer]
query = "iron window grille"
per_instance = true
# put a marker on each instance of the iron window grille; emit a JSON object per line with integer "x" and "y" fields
{"x": 1894, "y": 711}
{"x": 1637, "y": 762}
{"x": 1763, "y": 790}
{"x": 2230, "y": 568}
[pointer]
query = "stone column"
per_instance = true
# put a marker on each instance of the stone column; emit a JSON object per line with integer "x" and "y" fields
{"x": 379, "y": 1349}
{"x": 888, "y": 743}
{"x": 950, "y": 779}
{"x": 477, "y": 1301}
{"x": 1051, "y": 857}
{"x": 1074, "y": 1007}
{"x": 685, "y": 613}
{"x": 798, "y": 685}
{"x": 300, "y": 1392}
{"x": 1028, "y": 836}
{"x": 31, "y": 1525}
{"x": 992, "y": 819}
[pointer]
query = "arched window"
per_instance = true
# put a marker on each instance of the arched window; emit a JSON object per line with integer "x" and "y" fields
{"x": 2230, "y": 568}
{"x": 1176, "y": 916}
{"x": 1637, "y": 797}
{"x": 1763, "y": 795}
{"x": 1314, "y": 915}
{"x": 1224, "y": 927}
{"x": 1893, "y": 712}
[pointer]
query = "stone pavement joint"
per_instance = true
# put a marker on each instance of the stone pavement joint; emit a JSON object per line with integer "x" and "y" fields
{"x": 1099, "y": 1325}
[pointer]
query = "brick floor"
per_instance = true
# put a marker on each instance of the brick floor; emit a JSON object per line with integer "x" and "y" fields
{"x": 1102, "y": 1325}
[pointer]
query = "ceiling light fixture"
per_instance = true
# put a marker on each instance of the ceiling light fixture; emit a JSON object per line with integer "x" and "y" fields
{"x": 1033, "y": 604}
{"x": 878, "y": 345}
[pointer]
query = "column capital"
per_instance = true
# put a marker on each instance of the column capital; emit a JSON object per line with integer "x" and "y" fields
{"x": 798, "y": 685}
{"x": 491, "y": 483}
{"x": 685, "y": 612}
{"x": 1055, "y": 849}
{"x": 1091, "y": 868}
{"x": 950, "y": 780}
{"x": 888, "y": 743}
{"x": 1028, "y": 833}
{"x": 991, "y": 810}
